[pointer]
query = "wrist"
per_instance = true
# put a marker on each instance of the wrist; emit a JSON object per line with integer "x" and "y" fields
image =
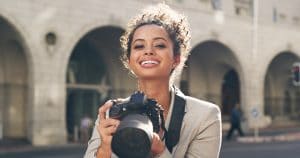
{"x": 160, "y": 152}
{"x": 105, "y": 147}
{"x": 104, "y": 151}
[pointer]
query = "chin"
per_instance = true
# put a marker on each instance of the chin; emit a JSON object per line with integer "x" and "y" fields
{"x": 153, "y": 77}
{"x": 152, "y": 74}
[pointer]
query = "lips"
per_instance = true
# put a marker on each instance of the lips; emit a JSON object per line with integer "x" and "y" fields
{"x": 149, "y": 63}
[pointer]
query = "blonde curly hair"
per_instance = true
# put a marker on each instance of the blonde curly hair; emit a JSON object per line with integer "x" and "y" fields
{"x": 174, "y": 23}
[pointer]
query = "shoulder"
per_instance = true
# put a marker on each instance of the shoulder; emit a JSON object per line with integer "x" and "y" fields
{"x": 202, "y": 110}
{"x": 197, "y": 105}
{"x": 202, "y": 105}
{"x": 199, "y": 110}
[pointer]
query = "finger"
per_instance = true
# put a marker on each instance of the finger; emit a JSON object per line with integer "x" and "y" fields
{"x": 105, "y": 135}
{"x": 157, "y": 146}
{"x": 109, "y": 122}
{"x": 102, "y": 110}
{"x": 155, "y": 136}
{"x": 111, "y": 130}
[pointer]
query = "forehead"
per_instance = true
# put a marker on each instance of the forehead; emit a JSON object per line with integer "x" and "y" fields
{"x": 150, "y": 31}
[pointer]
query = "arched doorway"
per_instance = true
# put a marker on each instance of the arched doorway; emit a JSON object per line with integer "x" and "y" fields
{"x": 281, "y": 97}
{"x": 212, "y": 69}
{"x": 230, "y": 91}
{"x": 13, "y": 83}
{"x": 88, "y": 75}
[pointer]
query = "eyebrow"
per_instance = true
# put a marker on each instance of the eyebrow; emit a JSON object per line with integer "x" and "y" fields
{"x": 156, "y": 38}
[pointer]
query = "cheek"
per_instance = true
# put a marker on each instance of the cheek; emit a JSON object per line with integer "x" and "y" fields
{"x": 170, "y": 56}
{"x": 131, "y": 61}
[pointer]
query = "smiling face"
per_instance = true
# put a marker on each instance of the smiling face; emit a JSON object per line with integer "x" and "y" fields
{"x": 151, "y": 55}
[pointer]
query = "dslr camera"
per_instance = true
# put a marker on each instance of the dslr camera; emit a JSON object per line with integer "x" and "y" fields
{"x": 139, "y": 118}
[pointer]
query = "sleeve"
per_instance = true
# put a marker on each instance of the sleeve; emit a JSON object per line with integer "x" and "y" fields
{"x": 207, "y": 143}
{"x": 165, "y": 154}
{"x": 93, "y": 143}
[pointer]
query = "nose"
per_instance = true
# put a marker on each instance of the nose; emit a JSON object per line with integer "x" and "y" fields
{"x": 149, "y": 51}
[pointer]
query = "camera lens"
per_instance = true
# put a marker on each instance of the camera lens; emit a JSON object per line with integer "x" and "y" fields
{"x": 134, "y": 143}
{"x": 133, "y": 137}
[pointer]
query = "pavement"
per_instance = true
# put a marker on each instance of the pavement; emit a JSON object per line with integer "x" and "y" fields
{"x": 270, "y": 134}
{"x": 293, "y": 136}
{"x": 265, "y": 135}
{"x": 19, "y": 146}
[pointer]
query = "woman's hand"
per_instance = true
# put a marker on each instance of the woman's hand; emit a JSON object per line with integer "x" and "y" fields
{"x": 158, "y": 146}
{"x": 106, "y": 128}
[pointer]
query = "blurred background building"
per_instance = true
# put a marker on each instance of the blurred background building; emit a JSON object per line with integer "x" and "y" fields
{"x": 59, "y": 60}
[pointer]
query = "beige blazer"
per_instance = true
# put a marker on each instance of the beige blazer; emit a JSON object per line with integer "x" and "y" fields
{"x": 200, "y": 135}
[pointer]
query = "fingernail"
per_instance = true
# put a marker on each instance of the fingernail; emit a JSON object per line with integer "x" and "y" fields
{"x": 113, "y": 102}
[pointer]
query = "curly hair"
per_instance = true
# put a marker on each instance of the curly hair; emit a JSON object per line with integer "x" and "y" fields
{"x": 175, "y": 24}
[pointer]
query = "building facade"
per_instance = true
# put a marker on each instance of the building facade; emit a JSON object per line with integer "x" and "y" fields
{"x": 59, "y": 60}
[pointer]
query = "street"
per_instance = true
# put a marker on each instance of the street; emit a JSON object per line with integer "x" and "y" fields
{"x": 230, "y": 149}
{"x": 68, "y": 151}
{"x": 261, "y": 150}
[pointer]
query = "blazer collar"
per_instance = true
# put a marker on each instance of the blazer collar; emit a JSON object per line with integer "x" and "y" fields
{"x": 176, "y": 91}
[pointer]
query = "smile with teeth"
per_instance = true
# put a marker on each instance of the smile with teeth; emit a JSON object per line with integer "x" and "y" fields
{"x": 149, "y": 62}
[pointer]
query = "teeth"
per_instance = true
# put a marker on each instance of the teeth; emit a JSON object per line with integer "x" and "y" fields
{"x": 149, "y": 62}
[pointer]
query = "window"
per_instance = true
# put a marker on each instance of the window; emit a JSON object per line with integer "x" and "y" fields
{"x": 282, "y": 17}
{"x": 179, "y": 1}
{"x": 296, "y": 20}
{"x": 275, "y": 15}
{"x": 216, "y": 4}
{"x": 243, "y": 7}
{"x": 204, "y": 1}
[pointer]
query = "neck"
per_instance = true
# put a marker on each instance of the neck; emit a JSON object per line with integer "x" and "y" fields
{"x": 158, "y": 90}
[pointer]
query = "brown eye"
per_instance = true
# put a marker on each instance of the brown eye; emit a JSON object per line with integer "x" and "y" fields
{"x": 138, "y": 47}
{"x": 161, "y": 46}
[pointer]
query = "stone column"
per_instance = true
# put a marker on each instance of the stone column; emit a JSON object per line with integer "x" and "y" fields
{"x": 254, "y": 99}
{"x": 47, "y": 122}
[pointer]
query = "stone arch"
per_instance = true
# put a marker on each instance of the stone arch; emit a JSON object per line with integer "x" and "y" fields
{"x": 208, "y": 65}
{"x": 15, "y": 74}
{"x": 81, "y": 33}
{"x": 94, "y": 74}
{"x": 281, "y": 97}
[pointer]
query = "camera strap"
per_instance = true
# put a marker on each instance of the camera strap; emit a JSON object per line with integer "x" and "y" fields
{"x": 173, "y": 133}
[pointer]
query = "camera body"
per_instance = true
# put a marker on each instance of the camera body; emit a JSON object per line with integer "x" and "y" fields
{"x": 138, "y": 104}
{"x": 139, "y": 118}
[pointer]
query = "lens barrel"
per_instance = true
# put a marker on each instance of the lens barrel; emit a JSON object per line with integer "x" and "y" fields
{"x": 133, "y": 138}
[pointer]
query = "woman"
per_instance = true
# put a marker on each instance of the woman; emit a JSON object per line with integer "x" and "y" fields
{"x": 156, "y": 46}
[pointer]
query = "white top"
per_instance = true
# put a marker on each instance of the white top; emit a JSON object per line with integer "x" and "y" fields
{"x": 200, "y": 135}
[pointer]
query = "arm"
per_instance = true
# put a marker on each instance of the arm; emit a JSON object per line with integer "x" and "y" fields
{"x": 94, "y": 143}
{"x": 164, "y": 154}
{"x": 158, "y": 148}
{"x": 207, "y": 143}
{"x": 100, "y": 142}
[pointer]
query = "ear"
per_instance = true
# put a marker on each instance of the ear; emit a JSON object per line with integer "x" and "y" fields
{"x": 177, "y": 59}
{"x": 128, "y": 63}
{"x": 129, "y": 68}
